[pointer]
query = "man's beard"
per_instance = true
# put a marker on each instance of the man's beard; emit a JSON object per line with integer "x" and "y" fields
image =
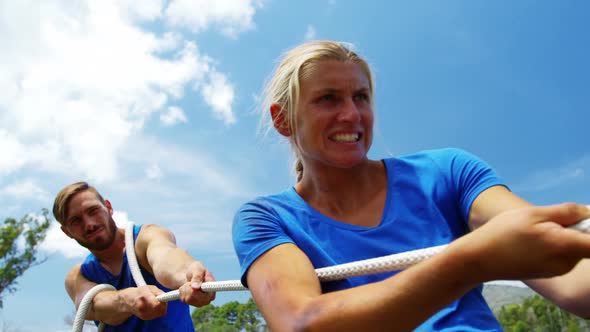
{"x": 99, "y": 242}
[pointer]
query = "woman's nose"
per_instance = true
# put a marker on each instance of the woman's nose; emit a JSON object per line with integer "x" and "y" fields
{"x": 349, "y": 111}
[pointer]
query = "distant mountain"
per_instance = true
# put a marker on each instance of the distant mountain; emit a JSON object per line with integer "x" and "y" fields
{"x": 499, "y": 295}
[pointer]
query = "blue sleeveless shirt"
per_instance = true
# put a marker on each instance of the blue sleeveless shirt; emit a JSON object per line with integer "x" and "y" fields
{"x": 177, "y": 316}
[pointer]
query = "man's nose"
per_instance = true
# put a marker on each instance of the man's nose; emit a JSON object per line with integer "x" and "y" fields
{"x": 89, "y": 223}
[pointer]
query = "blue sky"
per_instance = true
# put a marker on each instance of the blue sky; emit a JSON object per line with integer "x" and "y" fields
{"x": 156, "y": 103}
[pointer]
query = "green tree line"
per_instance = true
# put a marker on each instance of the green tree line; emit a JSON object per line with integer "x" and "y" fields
{"x": 536, "y": 314}
{"x": 230, "y": 317}
{"x": 19, "y": 241}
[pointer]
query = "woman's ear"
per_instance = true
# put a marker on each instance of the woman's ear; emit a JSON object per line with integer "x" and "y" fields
{"x": 279, "y": 120}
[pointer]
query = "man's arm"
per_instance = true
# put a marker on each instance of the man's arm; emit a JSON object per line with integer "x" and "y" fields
{"x": 571, "y": 291}
{"x": 114, "y": 307}
{"x": 173, "y": 267}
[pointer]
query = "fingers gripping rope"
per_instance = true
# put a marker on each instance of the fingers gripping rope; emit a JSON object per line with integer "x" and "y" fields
{"x": 354, "y": 269}
{"x": 135, "y": 272}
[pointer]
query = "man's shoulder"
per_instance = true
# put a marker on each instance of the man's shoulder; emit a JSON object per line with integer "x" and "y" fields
{"x": 150, "y": 230}
{"x": 74, "y": 271}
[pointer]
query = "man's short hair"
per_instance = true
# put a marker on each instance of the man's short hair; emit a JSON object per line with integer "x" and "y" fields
{"x": 60, "y": 205}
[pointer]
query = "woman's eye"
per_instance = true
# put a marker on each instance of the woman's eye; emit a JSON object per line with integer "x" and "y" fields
{"x": 329, "y": 97}
{"x": 362, "y": 97}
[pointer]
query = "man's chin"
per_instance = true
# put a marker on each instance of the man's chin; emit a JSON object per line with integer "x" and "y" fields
{"x": 97, "y": 244}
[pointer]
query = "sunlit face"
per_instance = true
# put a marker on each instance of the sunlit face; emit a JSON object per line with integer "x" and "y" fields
{"x": 334, "y": 118}
{"x": 89, "y": 221}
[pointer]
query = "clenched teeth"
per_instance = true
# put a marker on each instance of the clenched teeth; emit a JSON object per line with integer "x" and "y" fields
{"x": 345, "y": 137}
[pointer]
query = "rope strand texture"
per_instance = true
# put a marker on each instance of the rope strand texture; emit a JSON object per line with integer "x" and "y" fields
{"x": 85, "y": 305}
{"x": 131, "y": 258}
{"x": 354, "y": 269}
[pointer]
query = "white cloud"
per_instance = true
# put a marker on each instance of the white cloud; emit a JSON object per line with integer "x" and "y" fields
{"x": 25, "y": 189}
{"x": 79, "y": 80}
{"x": 219, "y": 94}
{"x": 199, "y": 236}
{"x": 545, "y": 179}
{"x": 310, "y": 34}
{"x": 230, "y": 16}
{"x": 56, "y": 242}
{"x": 13, "y": 152}
{"x": 208, "y": 175}
{"x": 173, "y": 116}
{"x": 144, "y": 10}
{"x": 153, "y": 172}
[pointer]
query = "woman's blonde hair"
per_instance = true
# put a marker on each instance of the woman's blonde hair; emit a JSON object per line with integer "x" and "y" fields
{"x": 283, "y": 87}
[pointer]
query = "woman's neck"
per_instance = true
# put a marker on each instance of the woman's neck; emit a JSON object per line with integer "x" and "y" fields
{"x": 344, "y": 193}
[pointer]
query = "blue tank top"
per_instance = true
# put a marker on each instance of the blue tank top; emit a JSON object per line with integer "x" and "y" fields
{"x": 177, "y": 316}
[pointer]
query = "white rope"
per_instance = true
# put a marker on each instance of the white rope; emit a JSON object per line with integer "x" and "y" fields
{"x": 131, "y": 258}
{"x": 85, "y": 305}
{"x": 389, "y": 263}
{"x": 337, "y": 272}
{"x": 582, "y": 226}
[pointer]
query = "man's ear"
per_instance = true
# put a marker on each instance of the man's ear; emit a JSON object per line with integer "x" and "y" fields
{"x": 279, "y": 120}
{"x": 109, "y": 207}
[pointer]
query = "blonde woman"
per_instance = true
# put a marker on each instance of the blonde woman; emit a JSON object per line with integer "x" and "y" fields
{"x": 346, "y": 207}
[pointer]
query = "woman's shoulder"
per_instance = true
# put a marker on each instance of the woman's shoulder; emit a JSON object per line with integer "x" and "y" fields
{"x": 436, "y": 153}
{"x": 269, "y": 200}
{"x": 270, "y": 205}
{"x": 441, "y": 155}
